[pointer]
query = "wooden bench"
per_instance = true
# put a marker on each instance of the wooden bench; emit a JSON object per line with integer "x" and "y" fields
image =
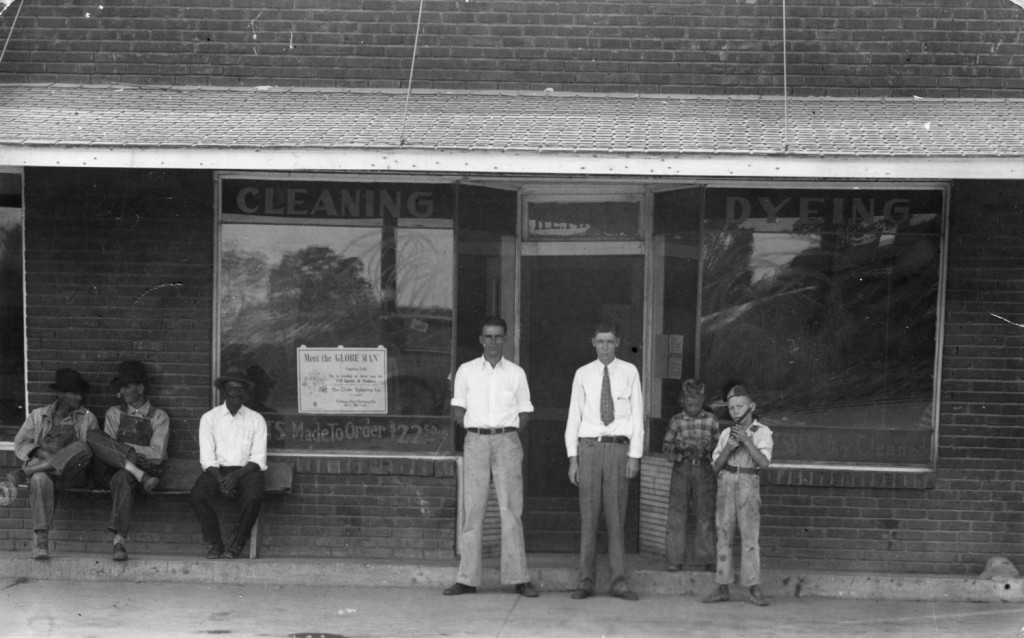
{"x": 180, "y": 475}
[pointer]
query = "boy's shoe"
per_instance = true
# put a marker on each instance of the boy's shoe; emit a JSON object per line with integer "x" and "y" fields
{"x": 526, "y": 589}
{"x": 120, "y": 553}
{"x": 40, "y": 545}
{"x": 674, "y": 568}
{"x": 720, "y": 595}
{"x": 756, "y": 597}
{"x": 625, "y": 594}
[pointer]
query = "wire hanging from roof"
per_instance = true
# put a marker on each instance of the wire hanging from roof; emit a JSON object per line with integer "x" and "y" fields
{"x": 412, "y": 68}
{"x": 16, "y": 14}
{"x": 785, "y": 86}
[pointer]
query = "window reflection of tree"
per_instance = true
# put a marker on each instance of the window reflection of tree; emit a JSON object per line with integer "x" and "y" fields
{"x": 316, "y": 296}
{"x": 848, "y": 319}
{"x": 12, "y": 369}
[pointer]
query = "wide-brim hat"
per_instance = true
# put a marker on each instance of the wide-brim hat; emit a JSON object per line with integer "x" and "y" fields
{"x": 129, "y": 373}
{"x": 233, "y": 374}
{"x": 68, "y": 380}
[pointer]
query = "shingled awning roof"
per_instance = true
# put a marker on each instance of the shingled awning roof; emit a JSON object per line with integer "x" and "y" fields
{"x": 509, "y": 132}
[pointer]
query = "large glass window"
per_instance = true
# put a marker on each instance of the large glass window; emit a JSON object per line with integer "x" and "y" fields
{"x": 344, "y": 269}
{"x": 826, "y": 301}
{"x": 12, "y": 309}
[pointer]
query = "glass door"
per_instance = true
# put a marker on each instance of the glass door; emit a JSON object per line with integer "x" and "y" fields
{"x": 561, "y": 298}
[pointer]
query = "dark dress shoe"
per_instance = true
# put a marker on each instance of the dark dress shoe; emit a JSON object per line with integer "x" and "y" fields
{"x": 626, "y": 594}
{"x": 120, "y": 553}
{"x": 215, "y": 550}
{"x": 526, "y": 589}
{"x": 458, "y": 589}
{"x": 235, "y": 550}
{"x": 580, "y": 594}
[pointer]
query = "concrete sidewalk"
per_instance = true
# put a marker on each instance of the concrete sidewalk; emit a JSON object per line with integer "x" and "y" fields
{"x": 61, "y": 609}
{"x": 550, "y": 573}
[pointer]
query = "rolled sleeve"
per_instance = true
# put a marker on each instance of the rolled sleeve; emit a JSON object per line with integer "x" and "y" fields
{"x": 258, "y": 453}
{"x": 25, "y": 439}
{"x": 207, "y": 446}
{"x": 575, "y": 418}
{"x": 523, "y": 402}
{"x": 636, "y": 419}
{"x": 460, "y": 389}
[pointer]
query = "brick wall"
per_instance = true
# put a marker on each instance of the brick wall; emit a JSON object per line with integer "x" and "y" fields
{"x": 348, "y": 507}
{"x": 119, "y": 264}
{"x": 936, "y": 48}
{"x": 971, "y": 508}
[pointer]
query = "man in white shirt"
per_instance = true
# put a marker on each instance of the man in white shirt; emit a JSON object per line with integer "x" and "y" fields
{"x": 491, "y": 399}
{"x": 233, "y": 454}
{"x": 604, "y": 438}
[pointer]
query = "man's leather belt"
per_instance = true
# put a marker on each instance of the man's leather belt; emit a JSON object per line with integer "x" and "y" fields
{"x": 606, "y": 439}
{"x": 491, "y": 430}
{"x": 741, "y": 470}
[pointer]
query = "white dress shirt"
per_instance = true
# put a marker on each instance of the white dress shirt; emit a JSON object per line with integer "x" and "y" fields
{"x": 492, "y": 396}
{"x": 585, "y": 406}
{"x": 226, "y": 440}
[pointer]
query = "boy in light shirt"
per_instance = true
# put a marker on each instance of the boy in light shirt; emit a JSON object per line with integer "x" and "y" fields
{"x": 742, "y": 451}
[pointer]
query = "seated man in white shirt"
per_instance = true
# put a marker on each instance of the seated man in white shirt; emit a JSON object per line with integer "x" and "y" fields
{"x": 233, "y": 454}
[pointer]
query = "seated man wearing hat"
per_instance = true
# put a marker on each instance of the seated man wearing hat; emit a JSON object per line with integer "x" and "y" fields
{"x": 51, "y": 443}
{"x": 130, "y": 449}
{"x": 233, "y": 454}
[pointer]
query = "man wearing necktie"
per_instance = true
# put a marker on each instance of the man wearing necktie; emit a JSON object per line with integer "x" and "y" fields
{"x": 604, "y": 438}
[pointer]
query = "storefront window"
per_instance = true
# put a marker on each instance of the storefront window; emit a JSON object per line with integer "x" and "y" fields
{"x": 825, "y": 302}
{"x": 361, "y": 276}
{"x": 12, "y": 310}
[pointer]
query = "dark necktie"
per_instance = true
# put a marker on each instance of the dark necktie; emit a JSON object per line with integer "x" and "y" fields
{"x": 607, "y": 407}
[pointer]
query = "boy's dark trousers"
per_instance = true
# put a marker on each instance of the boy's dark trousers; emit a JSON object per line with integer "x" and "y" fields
{"x": 693, "y": 482}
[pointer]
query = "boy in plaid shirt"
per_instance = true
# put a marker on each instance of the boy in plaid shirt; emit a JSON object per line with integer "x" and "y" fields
{"x": 688, "y": 443}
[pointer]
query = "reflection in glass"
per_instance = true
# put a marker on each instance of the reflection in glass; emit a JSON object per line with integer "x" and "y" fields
{"x": 832, "y": 318}
{"x": 583, "y": 220}
{"x": 328, "y": 286}
{"x": 12, "y": 341}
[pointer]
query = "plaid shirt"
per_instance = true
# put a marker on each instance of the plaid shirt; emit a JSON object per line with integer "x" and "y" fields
{"x": 690, "y": 436}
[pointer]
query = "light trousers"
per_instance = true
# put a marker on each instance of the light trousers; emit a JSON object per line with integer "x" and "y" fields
{"x": 603, "y": 486}
{"x": 497, "y": 456}
{"x": 70, "y": 469}
{"x": 739, "y": 505}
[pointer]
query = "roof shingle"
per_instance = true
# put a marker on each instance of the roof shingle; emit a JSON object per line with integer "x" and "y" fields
{"x": 139, "y": 117}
